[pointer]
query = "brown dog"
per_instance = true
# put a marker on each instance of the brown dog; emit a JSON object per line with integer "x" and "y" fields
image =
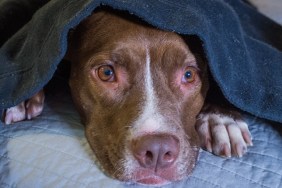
{"x": 139, "y": 92}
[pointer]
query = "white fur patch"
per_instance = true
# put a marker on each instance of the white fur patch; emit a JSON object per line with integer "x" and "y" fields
{"x": 150, "y": 119}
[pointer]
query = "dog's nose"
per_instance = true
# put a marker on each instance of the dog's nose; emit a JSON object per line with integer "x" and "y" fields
{"x": 156, "y": 151}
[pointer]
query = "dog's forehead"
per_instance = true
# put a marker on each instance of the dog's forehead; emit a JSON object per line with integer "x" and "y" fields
{"x": 109, "y": 27}
{"x": 107, "y": 32}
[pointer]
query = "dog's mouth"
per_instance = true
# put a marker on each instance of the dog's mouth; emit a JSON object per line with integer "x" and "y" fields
{"x": 157, "y": 178}
{"x": 150, "y": 177}
{"x": 153, "y": 180}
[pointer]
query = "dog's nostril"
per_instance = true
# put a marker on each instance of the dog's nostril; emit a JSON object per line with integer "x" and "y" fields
{"x": 149, "y": 156}
{"x": 168, "y": 156}
{"x": 155, "y": 151}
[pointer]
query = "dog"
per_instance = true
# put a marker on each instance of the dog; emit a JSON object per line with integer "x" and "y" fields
{"x": 141, "y": 93}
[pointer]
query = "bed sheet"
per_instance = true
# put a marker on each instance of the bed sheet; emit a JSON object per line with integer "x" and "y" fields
{"x": 52, "y": 151}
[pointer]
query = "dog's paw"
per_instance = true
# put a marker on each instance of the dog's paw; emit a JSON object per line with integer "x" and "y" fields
{"x": 25, "y": 110}
{"x": 223, "y": 132}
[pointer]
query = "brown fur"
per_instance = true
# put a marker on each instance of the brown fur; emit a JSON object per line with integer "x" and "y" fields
{"x": 108, "y": 109}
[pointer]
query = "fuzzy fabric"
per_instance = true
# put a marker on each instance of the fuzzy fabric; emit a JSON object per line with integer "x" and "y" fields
{"x": 243, "y": 47}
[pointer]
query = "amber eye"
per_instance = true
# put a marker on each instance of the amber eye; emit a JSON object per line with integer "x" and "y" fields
{"x": 106, "y": 73}
{"x": 189, "y": 75}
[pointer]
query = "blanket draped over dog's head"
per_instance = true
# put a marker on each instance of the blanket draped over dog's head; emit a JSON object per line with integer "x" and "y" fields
{"x": 243, "y": 48}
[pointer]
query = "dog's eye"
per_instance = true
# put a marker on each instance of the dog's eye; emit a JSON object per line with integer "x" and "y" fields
{"x": 106, "y": 73}
{"x": 189, "y": 75}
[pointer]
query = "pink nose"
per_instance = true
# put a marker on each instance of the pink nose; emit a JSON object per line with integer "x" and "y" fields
{"x": 156, "y": 151}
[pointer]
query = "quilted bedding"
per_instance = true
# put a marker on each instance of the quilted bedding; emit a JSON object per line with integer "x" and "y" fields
{"x": 52, "y": 151}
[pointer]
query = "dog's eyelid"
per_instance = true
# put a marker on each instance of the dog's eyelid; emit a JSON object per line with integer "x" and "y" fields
{"x": 198, "y": 70}
{"x": 193, "y": 66}
{"x": 98, "y": 63}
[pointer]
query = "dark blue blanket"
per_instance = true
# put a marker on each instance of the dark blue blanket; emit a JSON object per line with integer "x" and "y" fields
{"x": 243, "y": 48}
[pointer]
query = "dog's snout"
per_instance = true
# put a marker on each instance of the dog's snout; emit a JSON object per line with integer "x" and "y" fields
{"x": 156, "y": 151}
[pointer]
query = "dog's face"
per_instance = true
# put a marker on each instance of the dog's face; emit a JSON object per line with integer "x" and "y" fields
{"x": 138, "y": 90}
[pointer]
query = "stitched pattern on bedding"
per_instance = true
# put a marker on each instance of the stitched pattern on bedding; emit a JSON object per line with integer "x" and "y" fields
{"x": 51, "y": 151}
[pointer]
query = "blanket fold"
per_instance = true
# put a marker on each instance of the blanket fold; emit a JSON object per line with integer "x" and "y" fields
{"x": 243, "y": 47}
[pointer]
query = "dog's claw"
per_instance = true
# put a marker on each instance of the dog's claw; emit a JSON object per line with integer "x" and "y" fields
{"x": 208, "y": 145}
{"x": 247, "y": 137}
{"x": 224, "y": 151}
{"x": 240, "y": 150}
{"x": 8, "y": 119}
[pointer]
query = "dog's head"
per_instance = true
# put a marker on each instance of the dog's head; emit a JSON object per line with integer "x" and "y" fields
{"x": 138, "y": 90}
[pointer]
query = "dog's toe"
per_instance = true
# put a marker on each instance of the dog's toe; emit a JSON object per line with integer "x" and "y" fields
{"x": 34, "y": 106}
{"x": 203, "y": 130}
{"x": 220, "y": 139}
{"x": 238, "y": 144}
{"x": 245, "y": 132}
{"x": 14, "y": 114}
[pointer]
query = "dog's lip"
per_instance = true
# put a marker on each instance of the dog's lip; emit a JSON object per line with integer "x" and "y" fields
{"x": 153, "y": 180}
